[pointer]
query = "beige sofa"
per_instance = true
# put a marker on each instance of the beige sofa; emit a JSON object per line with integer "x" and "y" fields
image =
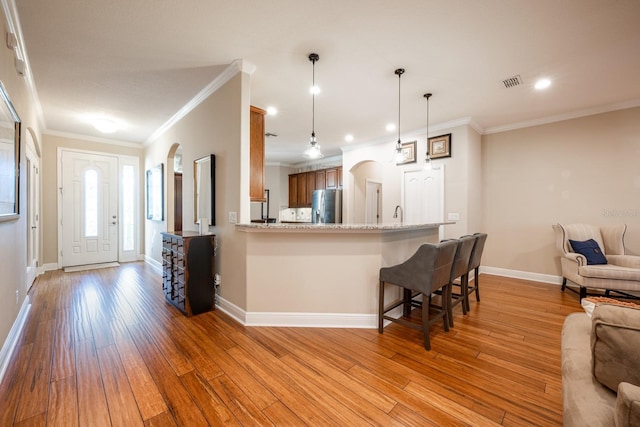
{"x": 601, "y": 367}
{"x": 621, "y": 274}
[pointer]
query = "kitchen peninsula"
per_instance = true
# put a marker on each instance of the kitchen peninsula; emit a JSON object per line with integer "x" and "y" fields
{"x": 322, "y": 274}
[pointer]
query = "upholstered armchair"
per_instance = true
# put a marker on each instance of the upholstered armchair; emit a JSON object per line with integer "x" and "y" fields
{"x": 605, "y": 266}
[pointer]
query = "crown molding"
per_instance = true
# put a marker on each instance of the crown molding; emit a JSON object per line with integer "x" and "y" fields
{"x": 80, "y": 137}
{"x": 237, "y": 66}
{"x": 465, "y": 121}
{"x": 562, "y": 117}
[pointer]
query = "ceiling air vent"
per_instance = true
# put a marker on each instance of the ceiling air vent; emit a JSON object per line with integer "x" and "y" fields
{"x": 512, "y": 81}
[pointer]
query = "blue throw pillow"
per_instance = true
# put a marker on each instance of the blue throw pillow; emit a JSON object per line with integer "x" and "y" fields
{"x": 591, "y": 251}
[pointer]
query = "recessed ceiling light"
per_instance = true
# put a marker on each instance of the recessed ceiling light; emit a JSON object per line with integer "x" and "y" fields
{"x": 543, "y": 84}
{"x": 314, "y": 90}
{"x": 272, "y": 111}
{"x": 348, "y": 137}
{"x": 391, "y": 127}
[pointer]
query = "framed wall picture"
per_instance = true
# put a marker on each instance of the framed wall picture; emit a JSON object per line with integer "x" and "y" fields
{"x": 408, "y": 153}
{"x": 440, "y": 146}
{"x": 9, "y": 158}
{"x": 155, "y": 193}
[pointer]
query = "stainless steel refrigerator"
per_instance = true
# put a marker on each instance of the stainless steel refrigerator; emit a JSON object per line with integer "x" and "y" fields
{"x": 326, "y": 206}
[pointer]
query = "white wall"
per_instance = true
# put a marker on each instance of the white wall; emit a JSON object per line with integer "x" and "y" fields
{"x": 462, "y": 177}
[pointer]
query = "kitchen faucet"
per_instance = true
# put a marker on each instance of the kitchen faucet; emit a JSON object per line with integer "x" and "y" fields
{"x": 395, "y": 213}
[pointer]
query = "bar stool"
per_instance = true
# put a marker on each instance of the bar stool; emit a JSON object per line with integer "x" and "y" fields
{"x": 460, "y": 269}
{"x": 474, "y": 264}
{"x": 428, "y": 270}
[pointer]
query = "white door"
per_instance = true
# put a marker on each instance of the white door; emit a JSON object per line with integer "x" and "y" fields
{"x": 424, "y": 196}
{"x": 33, "y": 217}
{"x": 373, "y": 201}
{"x": 89, "y": 211}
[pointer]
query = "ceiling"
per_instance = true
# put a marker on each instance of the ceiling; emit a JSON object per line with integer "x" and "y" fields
{"x": 140, "y": 61}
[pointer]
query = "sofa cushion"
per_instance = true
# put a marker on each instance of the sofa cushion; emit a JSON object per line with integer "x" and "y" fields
{"x": 590, "y": 250}
{"x": 615, "y": 345}
{"x": 627, "y": 406}
{"x": 609, "y": 271}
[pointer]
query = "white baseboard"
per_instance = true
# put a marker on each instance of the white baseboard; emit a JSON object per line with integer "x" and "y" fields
{"x": 12, "y": 340}
{"x": 154, "y": 264}
{"x": 50, "y": 266}
{"x": 298, "y": 320}
{"x": 525, "y": 275}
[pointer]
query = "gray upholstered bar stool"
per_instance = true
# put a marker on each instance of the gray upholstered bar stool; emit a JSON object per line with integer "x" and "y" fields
{"x": 428, "y": 270}
{"x": 460, "y": 269}
{"x": 474, "y": 264}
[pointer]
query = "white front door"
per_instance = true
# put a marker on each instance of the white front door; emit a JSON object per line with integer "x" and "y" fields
{"x": 33, "y": 217}
{"x": 424, "y": 196}
{"x": 89, "y": 208}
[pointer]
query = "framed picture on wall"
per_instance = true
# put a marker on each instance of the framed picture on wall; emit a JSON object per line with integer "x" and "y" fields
{"x": 9, "y": 158}
{"x": 155, "y": 193}
{"x": 440, "y": 146}
{"x": 408, "y": 153}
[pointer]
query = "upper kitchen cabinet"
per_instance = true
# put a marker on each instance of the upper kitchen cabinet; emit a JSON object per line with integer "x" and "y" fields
{"x": 256, "y": 156}
{"x": 302, "y": 185}
{"x": 333, "y": 177}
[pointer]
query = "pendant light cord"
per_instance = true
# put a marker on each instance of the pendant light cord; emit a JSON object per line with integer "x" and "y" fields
{"x": 313, "y": 99}
{"x": 399, "y": 72}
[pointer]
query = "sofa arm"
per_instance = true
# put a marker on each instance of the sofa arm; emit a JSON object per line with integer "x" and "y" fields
{"x": 577, "y": 258}
{"x": 627, "y": 412}
{"x": 630, "y": 261}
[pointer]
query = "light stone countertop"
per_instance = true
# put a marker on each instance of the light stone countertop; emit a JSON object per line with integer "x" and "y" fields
{"x": 329, "y": 228}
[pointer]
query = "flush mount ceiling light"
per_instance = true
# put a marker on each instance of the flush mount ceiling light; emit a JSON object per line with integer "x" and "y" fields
{"x": 427, "y": 160}
{"x": 272, "y": 111}
{"x": 104, "y": 125}
{"x": 313, "y": 150}
{"x": 399, "y": 155}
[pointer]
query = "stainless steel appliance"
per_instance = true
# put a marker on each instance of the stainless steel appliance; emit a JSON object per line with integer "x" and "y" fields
{"x": 326, "y": 206}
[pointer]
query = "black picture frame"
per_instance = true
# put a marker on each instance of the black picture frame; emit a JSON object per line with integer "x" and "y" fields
{"x": 200, "y": 174}
{"x": 155, "y": 193}
{"x": 440, "y": 146}
{"x": 10, "y": 126}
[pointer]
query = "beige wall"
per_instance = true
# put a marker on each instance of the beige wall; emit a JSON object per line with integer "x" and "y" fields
{"x": 50, "y": 193}
{"x": 13, "y": 234}
{"x": 219, "y": 126}
{"x": 584, "y": 170}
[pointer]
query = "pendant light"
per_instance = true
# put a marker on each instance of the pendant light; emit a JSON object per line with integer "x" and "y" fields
{"x": 399, "y": 155}
{"x": 313, "y": 150}
{"x": 427, "y": 160}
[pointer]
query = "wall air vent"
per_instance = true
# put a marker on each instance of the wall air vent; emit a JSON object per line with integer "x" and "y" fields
{"x": 512, "y": 82}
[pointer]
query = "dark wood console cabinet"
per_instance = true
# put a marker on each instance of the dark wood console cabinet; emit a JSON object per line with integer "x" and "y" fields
{"x": 187, "y": 271}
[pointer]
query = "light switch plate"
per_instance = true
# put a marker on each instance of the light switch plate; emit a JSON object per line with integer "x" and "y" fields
{"x": 233, "y": 217}
{"x": 453, "y": 216}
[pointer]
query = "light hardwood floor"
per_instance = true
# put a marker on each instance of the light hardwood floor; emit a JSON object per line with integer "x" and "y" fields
{"x": 103, "y": 348}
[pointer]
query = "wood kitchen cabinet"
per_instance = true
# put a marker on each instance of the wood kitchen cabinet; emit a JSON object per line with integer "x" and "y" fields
{"x": 303, "y": 184}
{"x": 256, "y": 155}
{"x": 293, "y": 191}
{"x": 187, "y": 271}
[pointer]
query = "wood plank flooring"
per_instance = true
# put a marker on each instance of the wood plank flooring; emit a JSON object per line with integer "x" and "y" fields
{"x": 102, "y": 348}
